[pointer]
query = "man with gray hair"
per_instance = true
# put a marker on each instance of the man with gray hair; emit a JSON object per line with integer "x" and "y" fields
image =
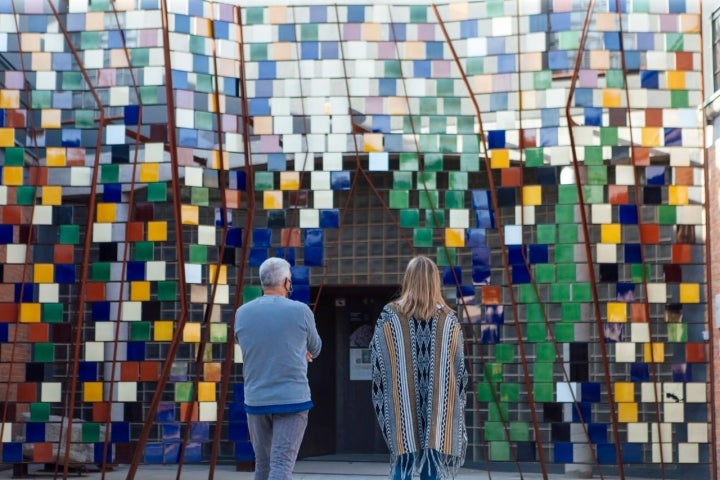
{"x": 277, "y": 337}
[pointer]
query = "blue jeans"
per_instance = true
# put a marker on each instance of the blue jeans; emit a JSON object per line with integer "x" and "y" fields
{"x": 428, "y": 472}
{"x": 276, "y": 440}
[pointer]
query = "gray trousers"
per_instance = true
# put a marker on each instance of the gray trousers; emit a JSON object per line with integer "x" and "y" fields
{"x": 276, "y": 440}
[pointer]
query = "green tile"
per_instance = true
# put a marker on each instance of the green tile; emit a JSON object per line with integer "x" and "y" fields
{"x": 469, "y": 162}
{"x": 100, "y": 6}
{"x": 204, "y": 83}
{"x": 39, "y": 412}
{"x": 432, "y": 162}
{"x": 543, "y": 372}
{"x": 677, "y": 332}
{"x": 495, "y": 8}
{"x": 428, "y": 105}
{"x": 41, "y": 99}
{"x": 582, "y": 292}
{"x": 519, "y": 431}
{"x": 100, "y": 271}
{"x": 636, "y": 270}
{"x": 493, "y": 372}
{"x": 614, "y": 79}
{"x": 149, "y": 95}
{"x": 14, "y": 157}
{"x": 428, "y": 143}
{"x": 258, "y": 52}
{"x": 542, "y": 80}
{"x": 594, "y": 194}
{"x": 427, "y": 180}
{"x": 409, "y": 218}
{"x": 609, "y": 136}
{"x": 593, "y": 155}
{"x": 446, "y": 256}
{"x": 254, "y": 15}
{"x": 567, "y": 194}
{"x": 566, "y": 272}
{"x": 69, "y": 234}
{"x": 418, "y": 13}
{"x": 72, "y": 81}
{"x": 475, "y": 65}
{"x": 144, "y": 251}
{"x": 423, "y": 237}
{"x": 570, "y": 312}
{"x": 559, "y": 292}
{"x": 454, "y": 199}
{"x": 140, "y": 57}
{"x": 25, "y": 195}
{"x": 597, "y": 175}
{"x": 399, "y": 199}
{"x": 485, "y": 392}
{"x": 509, "y": 392}
{"x": 428, "y": 199}
{"x": 198, "y": 253}
{"x": 543, "y": 392}
{"x": 457, "y": 181}
{"x": 565, "y": 332}
{"x": 466, "y": 124}
{"x": 309, "y": 32}
{"x": 90, "y": 40}
{"x": 545, "y": 352}
{"x": 197, "y": 45}
{"x": 157, "y": 192}
{"x": 504, "y": 353}
{"x": 494, "y": 431}
{"x": 435, "y": 218}
{"x": 90, "y": 432}
{"x": 564, "y": 214}
{"x": 183, "y": 391}
{"x": 140, "y": 331}
{"x": 564, "y": 254}
{"x": 534, "y": 157}
{"x": 667, "y": 215}
{"x": 544, "y": 273}
{"x": 167, "y": 291}
{"x": 452, "y": 106}
{"x": 438, "y": 124}
{"x": 546, "y": 233}
{"x": 392, "y": 69}
{"x": 674, "y": 42}
{"x": 204, "y": 120}
{"x": 403, "y": 180}
{"x": 218, "y": 332}
{"x": 470, "y": 143}
{"x": 678, "y": 99}
{"x": 445, "y": 87}
{"x": 568, "y": 40}
{"x": 526, "y": 293}
{"x": 411, "y": 124}
{"x": 535, "y": 313}
{"x": 498, "y": 412}
{"x": 43, "y": 352}
{"x": 640, "y": 6}
{"x": 52, "y": 312}
{"x": 264, "y": 180}
{"x": 409, "y": 162}
{"x": 536, "y": 332}
{"x": 84, "y": 118}
{"x": 568, "y": 234}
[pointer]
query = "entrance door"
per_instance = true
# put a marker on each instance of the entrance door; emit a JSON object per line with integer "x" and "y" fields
{"x": 343, "y": 420}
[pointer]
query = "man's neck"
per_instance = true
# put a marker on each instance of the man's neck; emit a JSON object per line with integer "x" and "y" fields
{"x": 277, "y": 291}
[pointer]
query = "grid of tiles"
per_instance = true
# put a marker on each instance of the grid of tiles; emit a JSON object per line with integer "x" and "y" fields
{"x": 563, "y": 202}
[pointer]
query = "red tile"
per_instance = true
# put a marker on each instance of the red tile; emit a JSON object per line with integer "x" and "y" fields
{"x": 135, "y": 232}
{"x": 95, "y": 292}
{"x": 511, "y": 177}
{"x": 129, "y": 371}
{"x": 39, "y": 332}
{"x": 11, "y": 215}
{"x": 654, "y": 117}
{"x": 695, "y": 352}
{"x": 618, "y": 194}
{"x": 100, "y": 412}
{"x": 42, "y": 452}
{"x": 638, "y": 313}
{"x": 684, "y": 61}
{"x": 64, "y": 254}
{"x": 650, "y": 233}
{"x": 149, "y": 371}
{"x": 681, "y": 253}
{"x": 27, "y": 392}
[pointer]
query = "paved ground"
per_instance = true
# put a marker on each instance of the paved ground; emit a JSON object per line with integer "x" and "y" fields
{"x": 305, "y": 470}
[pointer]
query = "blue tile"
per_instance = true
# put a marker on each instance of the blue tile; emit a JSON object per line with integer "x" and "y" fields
{"x": 199, "y": 432}
{"x": 585, "y": 413}
{"x": 234, "y": 237}
{"x": 355, "y": 13}
{"x": 481, "y": 274}
{"x": 238, "y": 431}
{"x": 135, "y": 271}
{"x": 499, "y": 101}
{"x": 171, "y": 452}
{"x": 62, "y": 100}
{"x": 263, "y": 88}
{"x": 422, "y": 69}
{"x": 546, "y": 175}
{"x": 632, "y": 452}
{"x": 288, "y": 253}
{"x": 381, "y": 123}
{"x": 632, "y": 60}
{"x": 639, "y": 372}
{"x": 259, "y": 106}
{"x": 481, "y": 199}
{"x": 65, "y": 273}
{"x": 624, "y": 290}
{"x": 262, "y": 237}
{"x": 655, "y": 175}
{"x": 340, "y": 180}
{"x": 548, "y": 137}
{"x": 301, "y": 294}
{"x": 34, "y": 432}
{"x": 496, "y": 139}
{"x": 318, "y": 14}
{"x": 268, "y": 70}
{"x": 550, "y": 117}
{"x": 188, "y": 137}
{"x": 593, "y": 116}
{"x": 276, "y": 162}
{"x": 165, "y": 412}
{"x": 300, "y": 275}
{"x": 649, "y": 79}
{"x": 120, "y": 432}
{"x": 112, "y": 193}
{"x": 480, "y": 256}
{"x": 558, "y": 60}
{"x": 673, "y": 137}
{"x": 628, "y": 214}
{"x": 606, "y": 454}
{"x": 633, "y": 253}
{"x": 314, "y": 256}
{"x": 612, "y": 6}
{"x": 612, "y": 40}
{"x": 434, "y": 50}
{"x": 101, "y": 311}
{"x": 62, "y": 62}
{"x": 88, "y": 371}
{"x": 329, "y": 50}
{"x": 12, "y": 453}
{"x": 239, "y": 392}
{"x": 475, "y": 237}
{"x": 193, "y": 452}
{"x": 182, "y": 23}
{"x": 238, "y": 181}
{"x": 132, "y": 114}
{"x": 563, "y": 452}
{"x": 520, "y": 274}
{"x": 645, "y": 41}
{"x": 468, "y": 29}
{"x": 309, "y": 50}
{"x": 584, "y": 97}
{"x": 677, "y": 6}
{"x": 515, "y": 255}
{"x": 200, "y": 64}
{"x": 71, "y": 137}
{"x": 135, "y": 351}
{"x": 398, "y": 32}
{"x": 24, "y": 292}
{"x": 221, "y": 29}
{"x": 244, "y": 451}
{"x": 180, "y": 80}
{"x": 171, "y": 432}
{"x": 452, "y": 275}
{"x": 538, "y": 253}
{"x": 98, "y": 449}
{"x": 313, "y": 237}
{"x": 257, "y": 256}
{"x": 506, "y": 63}
{"x": 329, "y": 218}
{"x": 560, "y": 22}
{"x": 597, "y": 432}
{"x": 237, "y": 414}
{"x": 590, "y": 392}
{"x": 538, "y": 23}
{"x": 387, "y": 86}
{"x": 286, "y": 33}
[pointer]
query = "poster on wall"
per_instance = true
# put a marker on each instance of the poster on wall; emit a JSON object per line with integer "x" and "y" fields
{"x": 360, "y": 337}
{"x": 360, "y": 368}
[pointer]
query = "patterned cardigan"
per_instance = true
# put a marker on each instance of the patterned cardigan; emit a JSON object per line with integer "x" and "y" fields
{"x": 419, "y": 389}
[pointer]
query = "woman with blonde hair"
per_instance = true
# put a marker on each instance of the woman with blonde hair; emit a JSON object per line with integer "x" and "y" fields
{"x": 419, "y": 378}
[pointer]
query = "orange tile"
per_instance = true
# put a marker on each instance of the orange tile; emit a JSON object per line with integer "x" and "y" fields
{"x": 39, "y": 332}
{"x": 188, "y": 408}
{"x": 511, "y": 177}
{"x": 684, "y": 176}
{"x": 95, "y": 292}
{"x": 650, "y": 233}
{"x": 684, "y": 61}
{"x": 135, "y": 232}
{"x": 641, "y": 156}
{"x": 681, "y": 253}
{"x": 11, "y": 215}
{"x": 38, "y": 176}
{"x": 695, "y": 352}
{"x": 149, "y": 371}
{"x": 638, "y": 313}
{"x": 653, "y": 117}
{"x": 100, "y": 412}
{"x": 528, "y": 138}
{"x": 491, "y": 295}
{"x": 42, "y": 452}
{"x": 129, "y": 371}
{"x": 232, "y": 198}
{"x": 64, "y": 254}
{"x": 75, "y": 157}
{"x": 290, "y": 237}
{"x": 211, "y": 372}
{"x": 618, "y": 194}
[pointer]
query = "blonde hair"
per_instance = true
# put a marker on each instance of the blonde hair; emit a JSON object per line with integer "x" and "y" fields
{"x": 420, "y": 294}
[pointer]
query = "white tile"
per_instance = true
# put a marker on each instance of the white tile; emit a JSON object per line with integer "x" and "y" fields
{"x": 51, "y": 392}
{"x": 309, "y": 218}
{"x": 207, "y": 235}
{"x": 95, "y": 351}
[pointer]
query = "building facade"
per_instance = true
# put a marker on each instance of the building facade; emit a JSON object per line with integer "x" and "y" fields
{"x": 549, "y": 155}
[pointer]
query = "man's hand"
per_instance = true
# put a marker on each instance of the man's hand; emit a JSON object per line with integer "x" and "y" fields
{"x": 309, "y": 357}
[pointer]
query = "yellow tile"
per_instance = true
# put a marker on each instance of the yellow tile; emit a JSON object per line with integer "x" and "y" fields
{"x": 12, "y": 175}
{"x": 140, "y": 291}
{"x": 532, "y": 195}
{"x": 676, "y": 80}
{"x": 454, "y": 237}
{"x": 163, "y": 330}
{"x": 93, "y": 392}
{"x": 499, "y": 158}
{"x": 30, "y": 313}
{"x": 373, "y": 142}
{"x": 689, "y": 293}
{"x": 190, "y": 214}
{"x": 627, "y": 412}
{"x": 222, "y": 276}
{"x": 654, "y": 352}
{"x": 678, "y": 194}
{"x": 51, "y": 195}
{"x": 206, "y": 391}
{"x": 55, "y": 157}
{"x": 157, "y": 231}
{"x": 650, "y": 137}
{"x": 50, "y": 118}
{"x": 624, "y": 392}
{"x": 43, "y": 273}
{"x": 149, "y": 172}
{"x": 106, "y": 212}
{"x": 9, "y": 99}
{"x": 272, "y": 200}
{"x": 617, "y": 312}
{"x": 610, "y": 233}
{"x": 289, "y": 180}
{"x": 7, "y": 137}
{"x": 191, "y": 332}
{"x": 611, "y": 98}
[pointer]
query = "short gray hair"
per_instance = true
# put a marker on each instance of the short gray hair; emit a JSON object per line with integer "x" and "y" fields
{"x": 274, "y": 271}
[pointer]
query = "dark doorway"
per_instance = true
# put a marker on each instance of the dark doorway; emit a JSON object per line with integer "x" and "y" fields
{"x": 343, "y": 420}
